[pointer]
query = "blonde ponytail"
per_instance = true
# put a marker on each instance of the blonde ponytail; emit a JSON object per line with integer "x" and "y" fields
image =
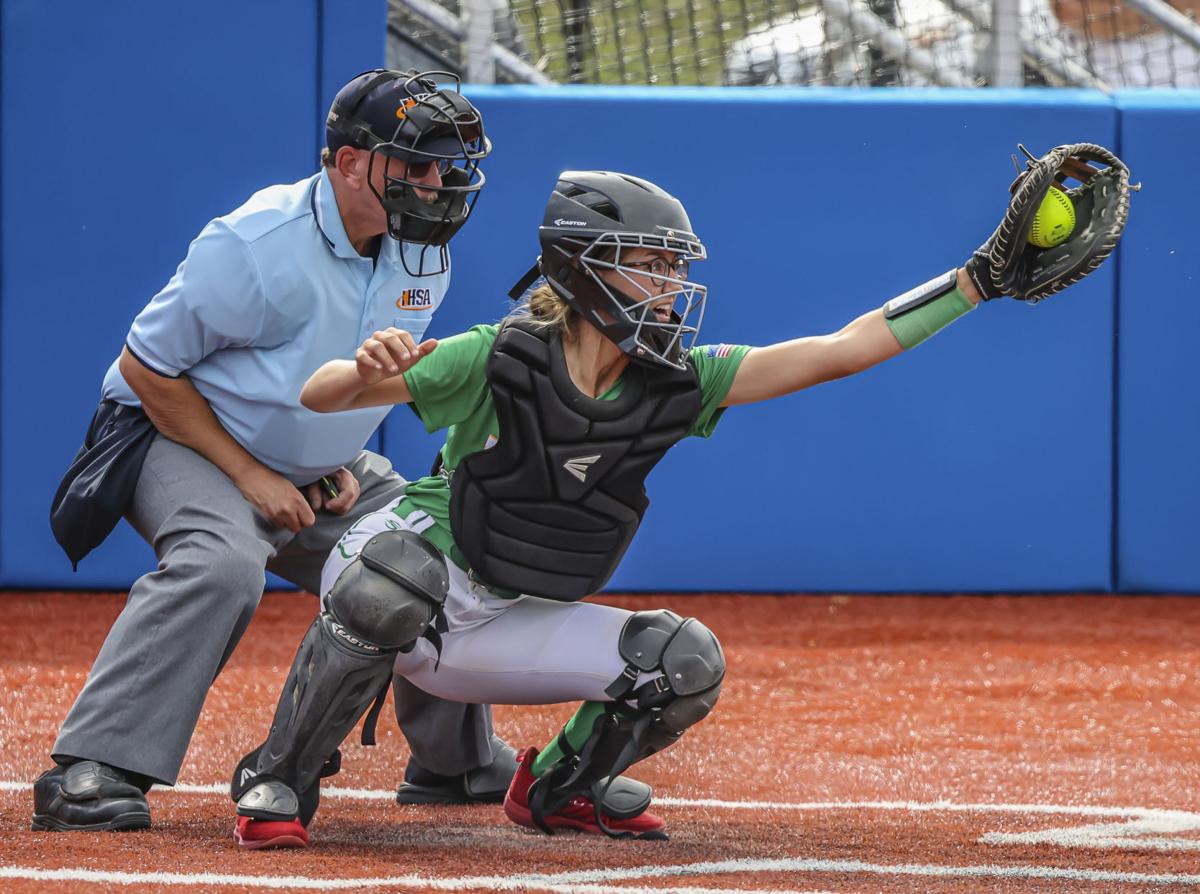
{"x": 544, "y": 306}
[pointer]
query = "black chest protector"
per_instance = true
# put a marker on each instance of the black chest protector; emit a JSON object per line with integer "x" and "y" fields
{"x": 551, "y": 508}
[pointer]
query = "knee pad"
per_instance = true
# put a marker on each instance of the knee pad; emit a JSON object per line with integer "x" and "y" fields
{"x": 689, "y": 657}
{"x": 391, "y": 591}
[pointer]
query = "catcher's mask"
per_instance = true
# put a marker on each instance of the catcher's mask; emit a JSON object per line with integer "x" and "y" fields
{"x": 420, "y": 119}
{"x": 592, "y": 221}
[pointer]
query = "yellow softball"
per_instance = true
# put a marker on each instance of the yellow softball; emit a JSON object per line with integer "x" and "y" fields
{"x": 1054, "y": 221}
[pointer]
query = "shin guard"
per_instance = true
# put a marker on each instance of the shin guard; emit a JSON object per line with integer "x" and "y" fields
{"x": 334, "y": 679}
{"x": 647, "y": 719}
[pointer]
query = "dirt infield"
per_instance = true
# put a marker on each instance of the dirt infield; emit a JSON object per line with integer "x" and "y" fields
{"x": 894, "y": 744}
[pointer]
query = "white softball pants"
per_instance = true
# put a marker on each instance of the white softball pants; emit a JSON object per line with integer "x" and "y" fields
{"x": 522, "y": 651}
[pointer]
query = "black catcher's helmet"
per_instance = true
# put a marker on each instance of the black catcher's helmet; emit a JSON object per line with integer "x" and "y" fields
{"x": 592, "y": 218}
{"x": 421, "y": 119}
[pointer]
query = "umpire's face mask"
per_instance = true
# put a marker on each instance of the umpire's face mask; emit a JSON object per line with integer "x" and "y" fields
{"x": 427, "y": 197}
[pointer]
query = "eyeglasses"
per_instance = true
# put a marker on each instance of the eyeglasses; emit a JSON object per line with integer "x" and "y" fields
{"x": 660, "y": 268}
{"x": 418, "y": 170}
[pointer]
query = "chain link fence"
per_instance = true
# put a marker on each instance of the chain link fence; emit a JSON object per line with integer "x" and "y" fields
{"x": 868, "y": 43}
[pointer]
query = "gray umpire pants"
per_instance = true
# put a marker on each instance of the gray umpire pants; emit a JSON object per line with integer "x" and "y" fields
{"x": 181, "y": 622}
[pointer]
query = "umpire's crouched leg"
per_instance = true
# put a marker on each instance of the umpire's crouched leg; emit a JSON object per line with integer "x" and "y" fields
{"x": 131, "y": 723}
{"x": 88, "y": 797}
{"x": 483, "y": 785}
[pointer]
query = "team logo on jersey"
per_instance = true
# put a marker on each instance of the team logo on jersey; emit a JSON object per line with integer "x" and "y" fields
{"x": 579, "y": 465}
{"x": 415, "y": 299}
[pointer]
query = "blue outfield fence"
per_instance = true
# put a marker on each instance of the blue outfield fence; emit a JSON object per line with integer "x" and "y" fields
{"x": 1025, "y": 449}
{"x": 1158, "y": 440}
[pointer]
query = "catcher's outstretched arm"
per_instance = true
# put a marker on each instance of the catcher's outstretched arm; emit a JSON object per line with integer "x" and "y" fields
{"x": 789, "y": 366}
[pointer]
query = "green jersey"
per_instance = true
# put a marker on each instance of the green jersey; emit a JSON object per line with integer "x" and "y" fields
{"x": 450, "y": 390}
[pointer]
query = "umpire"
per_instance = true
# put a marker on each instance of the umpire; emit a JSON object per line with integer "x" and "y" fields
{"x": 239, "y": 477}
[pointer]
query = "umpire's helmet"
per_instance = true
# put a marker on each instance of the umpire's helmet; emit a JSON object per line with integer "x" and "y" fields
{"x": 591, "y": 218}
{"x": 423, "y": 119}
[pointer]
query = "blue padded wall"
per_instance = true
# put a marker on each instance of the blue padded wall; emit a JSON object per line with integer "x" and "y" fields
{"x": 353, "y": 39}
{"x": 126, "y": 127}
{"x": 1159, "y": 318}
{"x": 981, "y": 461}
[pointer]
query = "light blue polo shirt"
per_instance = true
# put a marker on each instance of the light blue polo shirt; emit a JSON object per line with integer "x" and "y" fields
{"x": 267, "y": 294}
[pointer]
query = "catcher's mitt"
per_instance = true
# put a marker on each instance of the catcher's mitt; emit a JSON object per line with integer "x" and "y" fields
{"x": 1007, "y": 264}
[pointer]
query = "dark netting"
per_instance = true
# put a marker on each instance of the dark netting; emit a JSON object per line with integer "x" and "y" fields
{"x": 832, "y": 43}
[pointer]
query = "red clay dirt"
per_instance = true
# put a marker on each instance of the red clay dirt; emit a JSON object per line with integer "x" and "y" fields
{"x": 896, "y": 737}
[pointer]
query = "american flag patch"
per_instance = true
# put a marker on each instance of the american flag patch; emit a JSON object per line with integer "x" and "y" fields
{"x": 719, "y": 350}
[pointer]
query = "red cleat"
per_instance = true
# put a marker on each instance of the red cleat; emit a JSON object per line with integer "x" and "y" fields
{"x": 578, "y": 813}
{"x": 255, "y": 834}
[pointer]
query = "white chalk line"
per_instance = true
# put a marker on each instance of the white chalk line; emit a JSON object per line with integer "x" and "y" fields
{"x": 1088, "y": 810}
{"x": 591, "y": 881}
{"x": 1140, "y": 821}
{"x": 1134, "y": 834}
{"x": 297, "y": 883}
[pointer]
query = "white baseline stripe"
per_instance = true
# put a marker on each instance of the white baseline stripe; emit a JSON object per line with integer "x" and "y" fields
{"x": 292, "y": 883}
{"x": 931, "y": 806}
{"x": 584, "y": 882}
{"x": 1137, "y": 834}
{"x": 590, "y": 881}
{"x": 750, "y": 864}
{"x": 364, "y": 794}
{"x": 1064, "y": 838}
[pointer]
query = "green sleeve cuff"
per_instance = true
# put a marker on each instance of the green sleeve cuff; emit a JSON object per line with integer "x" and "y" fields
{"x": 918, "y": 324}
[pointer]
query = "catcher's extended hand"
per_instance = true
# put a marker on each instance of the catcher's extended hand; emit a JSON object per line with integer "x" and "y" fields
{"x": 1008, "y": 265}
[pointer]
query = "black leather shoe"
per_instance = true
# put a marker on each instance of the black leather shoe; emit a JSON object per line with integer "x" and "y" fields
{"x": 88, "y": 797}
{"x": 483, "y": 785}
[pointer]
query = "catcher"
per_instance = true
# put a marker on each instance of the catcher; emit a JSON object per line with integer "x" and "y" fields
{"x": 470, "y": 585}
